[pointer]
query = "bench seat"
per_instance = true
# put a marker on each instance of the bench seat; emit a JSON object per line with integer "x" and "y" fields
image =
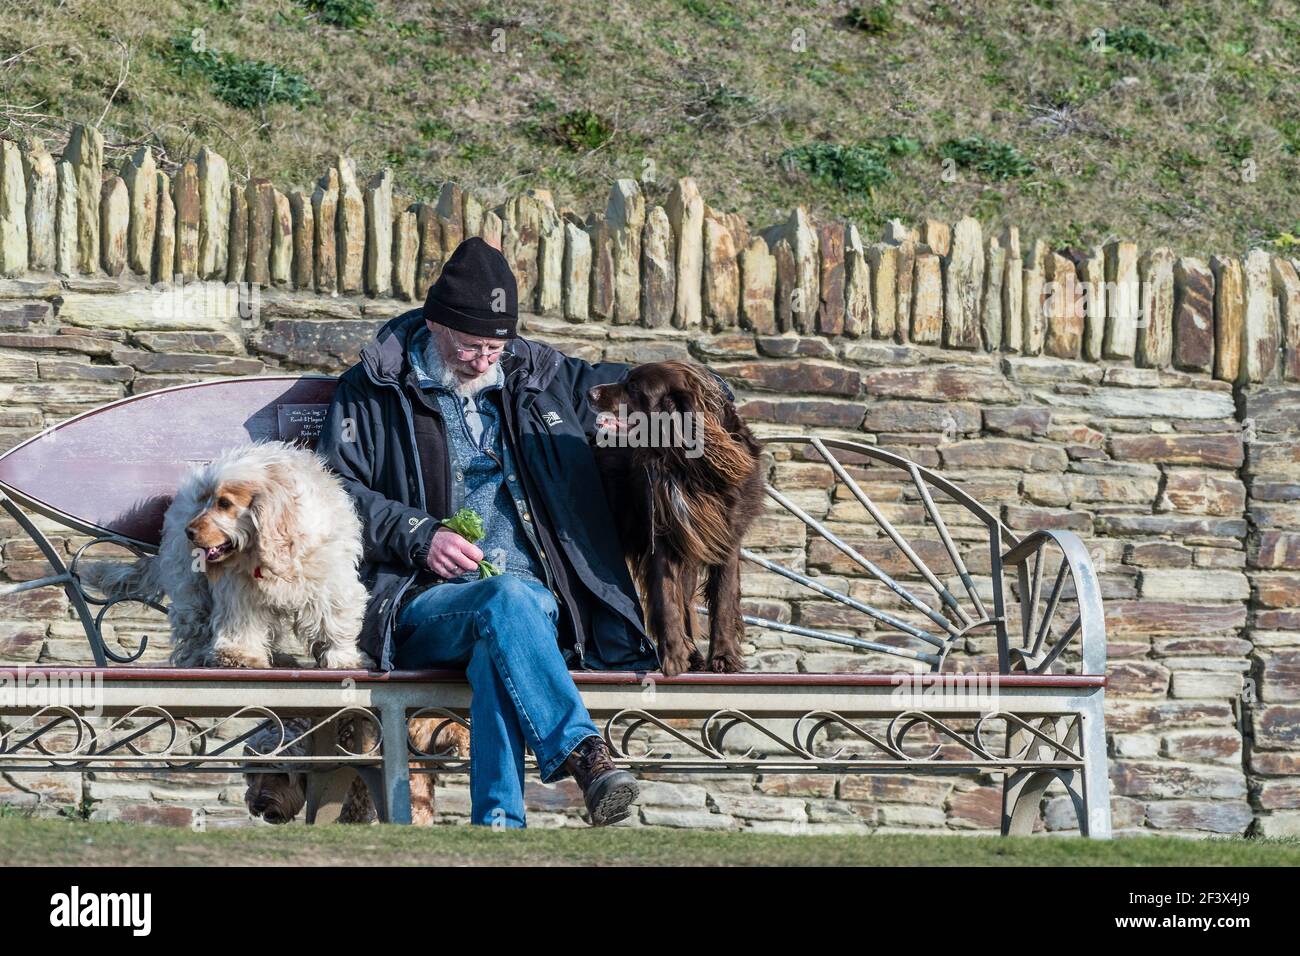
{"x": 1031, "y": 728}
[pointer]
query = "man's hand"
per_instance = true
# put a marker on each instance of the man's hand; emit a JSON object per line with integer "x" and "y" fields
{"x": 450, "y": 554}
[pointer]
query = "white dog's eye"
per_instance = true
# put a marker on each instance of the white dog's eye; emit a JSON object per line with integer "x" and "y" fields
{"x": 223, "y": 503}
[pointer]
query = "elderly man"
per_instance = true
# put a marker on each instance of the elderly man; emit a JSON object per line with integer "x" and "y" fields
{"x": 447, "y": 409}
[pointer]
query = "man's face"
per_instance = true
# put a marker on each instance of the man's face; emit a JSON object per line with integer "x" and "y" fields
{"x": 468, "y": 356}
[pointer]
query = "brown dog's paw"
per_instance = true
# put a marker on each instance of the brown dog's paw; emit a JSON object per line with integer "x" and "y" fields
{"x": 674, "y": 663}
{"x": 726, "y": 664}
{"x": 696, "y": 661}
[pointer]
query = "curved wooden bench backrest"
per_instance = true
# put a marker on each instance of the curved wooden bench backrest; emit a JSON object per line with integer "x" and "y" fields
{"x": 114, "y": 469}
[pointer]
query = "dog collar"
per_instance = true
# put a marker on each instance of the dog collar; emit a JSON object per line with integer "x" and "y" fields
{"x": 257, "y": 571}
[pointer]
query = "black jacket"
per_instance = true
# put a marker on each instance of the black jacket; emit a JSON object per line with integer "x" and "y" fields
{"x": 368, "y": 438}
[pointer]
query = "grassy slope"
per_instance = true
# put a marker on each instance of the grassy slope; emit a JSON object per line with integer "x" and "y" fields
{"x": 30, "y": 841}
{"x": 1122, "y": 145}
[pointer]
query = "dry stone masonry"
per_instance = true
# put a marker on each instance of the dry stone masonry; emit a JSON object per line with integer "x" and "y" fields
{"x": 1148, "y": 401}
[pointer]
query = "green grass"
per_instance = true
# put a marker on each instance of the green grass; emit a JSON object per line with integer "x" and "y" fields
{"x": 582, "y": 130}
{"x": 857, "y": 170}
{"x": 1094, "y": 120}
{"x": 876, "y": 19}
{"x": 341, "y": 13}
{"x": 1134, "y": 41}
{"x": 245, "y": 84}
{"x": 995, "y": 161}
{"x": 29, "y": 841}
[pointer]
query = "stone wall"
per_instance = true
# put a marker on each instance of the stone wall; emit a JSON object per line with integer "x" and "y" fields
{"x": 680, "y": 264}
{"x": 1148, "y": 402}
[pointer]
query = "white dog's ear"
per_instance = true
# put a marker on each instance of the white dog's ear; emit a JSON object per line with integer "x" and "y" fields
{"x": 274, "y": 514}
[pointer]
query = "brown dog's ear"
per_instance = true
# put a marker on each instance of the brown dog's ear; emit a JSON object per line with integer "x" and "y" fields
{"x": 685, "y": 407}
{"x": 731, "y": 418}
{"x": 274, "y": 515}
{"x": 679, "y": 400}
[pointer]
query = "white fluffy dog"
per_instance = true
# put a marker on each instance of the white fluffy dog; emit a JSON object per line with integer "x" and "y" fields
{"x": 259, "y": 546}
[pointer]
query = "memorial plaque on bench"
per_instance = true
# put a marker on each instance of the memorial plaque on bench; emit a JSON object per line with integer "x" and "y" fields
{"x": 115, "y": 469}
{"x": 300, "y": 423}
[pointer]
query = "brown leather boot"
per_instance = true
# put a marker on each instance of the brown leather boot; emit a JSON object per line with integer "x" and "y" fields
{"x": 607, "y": 791}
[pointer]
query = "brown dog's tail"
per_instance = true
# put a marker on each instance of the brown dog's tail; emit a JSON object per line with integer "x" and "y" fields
{"x": 138, "y": 579}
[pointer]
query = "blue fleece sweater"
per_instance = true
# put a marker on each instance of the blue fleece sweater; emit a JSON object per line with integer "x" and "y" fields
{"x": 483, "y": 472}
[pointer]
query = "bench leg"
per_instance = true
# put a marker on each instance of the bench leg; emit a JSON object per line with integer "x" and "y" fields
{"x": 396, "y": 806}
{"x": 1022, "y": 794}
{"x": 1094, "y": 819}
{"x": 326, "y": 791}
{"x": 1022, "y": 790}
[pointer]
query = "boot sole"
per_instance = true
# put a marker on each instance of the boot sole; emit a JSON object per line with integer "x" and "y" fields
{"x": 613, "y": 797}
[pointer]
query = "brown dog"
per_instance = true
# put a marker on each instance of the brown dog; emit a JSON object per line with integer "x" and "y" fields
{"x": 684, "y": 478}
{"x": 280, "y": 797}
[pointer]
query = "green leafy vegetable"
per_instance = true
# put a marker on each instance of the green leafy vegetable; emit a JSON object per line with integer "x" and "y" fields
{"x": 469, "y": 525}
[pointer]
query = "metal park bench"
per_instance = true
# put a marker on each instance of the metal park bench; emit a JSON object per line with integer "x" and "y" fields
{"x": 977, "y": 651}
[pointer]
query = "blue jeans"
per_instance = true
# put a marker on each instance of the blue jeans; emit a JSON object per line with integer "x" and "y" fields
{"x": 503, "y": 631}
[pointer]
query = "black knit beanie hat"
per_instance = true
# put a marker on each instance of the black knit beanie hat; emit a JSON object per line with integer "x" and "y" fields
{"x": 476, "y": 293}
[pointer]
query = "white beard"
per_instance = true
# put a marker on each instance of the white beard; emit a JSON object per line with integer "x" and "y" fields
{"x": 465, "y": 388}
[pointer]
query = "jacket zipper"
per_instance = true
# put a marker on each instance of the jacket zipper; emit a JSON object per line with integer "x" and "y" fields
{"x": 511, "y": 451}
{"x": 511, "y": 427}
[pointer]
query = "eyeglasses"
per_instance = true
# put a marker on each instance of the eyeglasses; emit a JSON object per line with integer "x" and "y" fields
{"x": 468, "y": 352}
{"x": 483, "y": 350}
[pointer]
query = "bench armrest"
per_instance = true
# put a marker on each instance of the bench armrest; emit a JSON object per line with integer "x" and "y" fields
{"x": 1058, "y": 595}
